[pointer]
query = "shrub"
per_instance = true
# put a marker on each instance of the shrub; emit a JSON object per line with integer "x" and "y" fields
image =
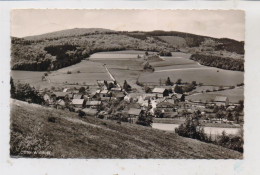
{"x": 147, "y": 89}
{"x": 69, "y": 72}
{"x": 52, "y": 119}
{"x": 100, "y": 116}
{"x": 145, "y": 119}
{"x": 240, "y": 84}
{"x": 27, "y": 93}
{"x": 81, "y": 113}
{"x": 30, "y": 145}
{"x": 139, "y": 83}
{"x": 192, "y": 129}
{"x": 231, "y": 142}
{"x": 168, "y": 82}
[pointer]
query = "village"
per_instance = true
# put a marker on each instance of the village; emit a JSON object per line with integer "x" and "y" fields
{"x": 111, "y": 101}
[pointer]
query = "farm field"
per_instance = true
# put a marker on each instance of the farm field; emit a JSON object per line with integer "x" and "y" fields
{"x": 72, "y": 137}
{"x": 85, "y": 72}
{"x": 234, "y": 95}
{"x": 179, "y": 66}
{"x": 125, "y": 65}
{"x": 207, "y": 76}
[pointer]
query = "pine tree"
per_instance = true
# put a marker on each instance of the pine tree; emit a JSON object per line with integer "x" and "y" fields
{"x": 12, "y": 90}
{"x": 168, "y": 82}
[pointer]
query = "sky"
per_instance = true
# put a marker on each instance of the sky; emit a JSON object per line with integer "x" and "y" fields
{"x": 214, "y": 23}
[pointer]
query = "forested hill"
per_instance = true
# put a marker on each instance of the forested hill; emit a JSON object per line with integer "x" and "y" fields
{"x": 70, "y": 33}
{"x": 59, "y": 49}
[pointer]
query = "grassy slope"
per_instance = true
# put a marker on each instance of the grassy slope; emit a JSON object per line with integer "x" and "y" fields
{"x": 72, "y": 137}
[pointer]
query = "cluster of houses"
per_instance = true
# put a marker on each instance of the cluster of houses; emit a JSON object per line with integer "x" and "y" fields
{"x": 160, "y": 99}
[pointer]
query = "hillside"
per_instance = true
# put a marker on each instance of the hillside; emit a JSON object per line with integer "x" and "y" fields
{"x": 66, "y": 135}
{"x": 69, "y": 33}
{"x": 60, "y": 49}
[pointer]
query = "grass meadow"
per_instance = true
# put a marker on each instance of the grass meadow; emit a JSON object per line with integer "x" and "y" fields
{"x": 69, "y": 136}
{"x": 234, "y": 95}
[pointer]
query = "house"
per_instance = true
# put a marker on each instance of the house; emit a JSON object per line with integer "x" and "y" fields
{"x": 103, "y": 93}
{"x": 148, "y": 96}
{"x": 60, "y": 104}
{"x": 90, "y": 111}
{"x": 78, "y": 96}
{"x": 221, "y": 100}
{"x": 75, "y": 91}
{"x": 46, "y": 98}
{"x": 118, "y": 89}
{"x": 70, "y": 96}
{"x": 166, "y": 104}
{"x": 93, "y": 104}
{"x": 60, "y": 95}
{"x": 78, "y": 103}
{"x": 131, "y": 97}
{"x": 118, "y": 95}
{"x": 142, "y": 102}
{"x": 161, "y": 92}
{"x": 133, "y": 114}
{"x": 65, "y": 90}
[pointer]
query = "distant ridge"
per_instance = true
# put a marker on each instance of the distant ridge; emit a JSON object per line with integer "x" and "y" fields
{"x": 68, "y": 33}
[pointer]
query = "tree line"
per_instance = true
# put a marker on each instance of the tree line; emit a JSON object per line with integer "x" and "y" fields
{"x": 219, "y": 62}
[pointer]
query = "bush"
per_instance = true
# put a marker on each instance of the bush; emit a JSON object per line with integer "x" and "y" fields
{"x": 168, "y": 82}
{"x": 179, "y": 81}
{"x": 145, "y": 119}
{"x": 231, "y": 142}
{"x": 139, "y": 83}
{"x": 165, "y": 53}
{"x": 81, "y": 113}
{"x": 69, "y": 72}
{"x": 147, "y": 89}
{"x": 27, "y": 93}
{"x": 192, "y": 129}
{"x": 100, "y": 116}
{"x": 52, "y": 119}
{"x": 30, "y": 145}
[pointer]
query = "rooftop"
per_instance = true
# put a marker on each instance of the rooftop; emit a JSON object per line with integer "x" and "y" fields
{"x": 134, "y": 111}
{"x": 93, "y": 103}
{"x": 77, "y": 101}
{"x": 158, "y": 90}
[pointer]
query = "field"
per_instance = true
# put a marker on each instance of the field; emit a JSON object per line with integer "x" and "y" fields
{"x": 124, "y": 65}
{"x": 179, "y": 66}
{"x": 72, "y": 137}
{"x": 85, "y": 72}
{"x": 209, "y": 76}
{"x": 234, "y": 95}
